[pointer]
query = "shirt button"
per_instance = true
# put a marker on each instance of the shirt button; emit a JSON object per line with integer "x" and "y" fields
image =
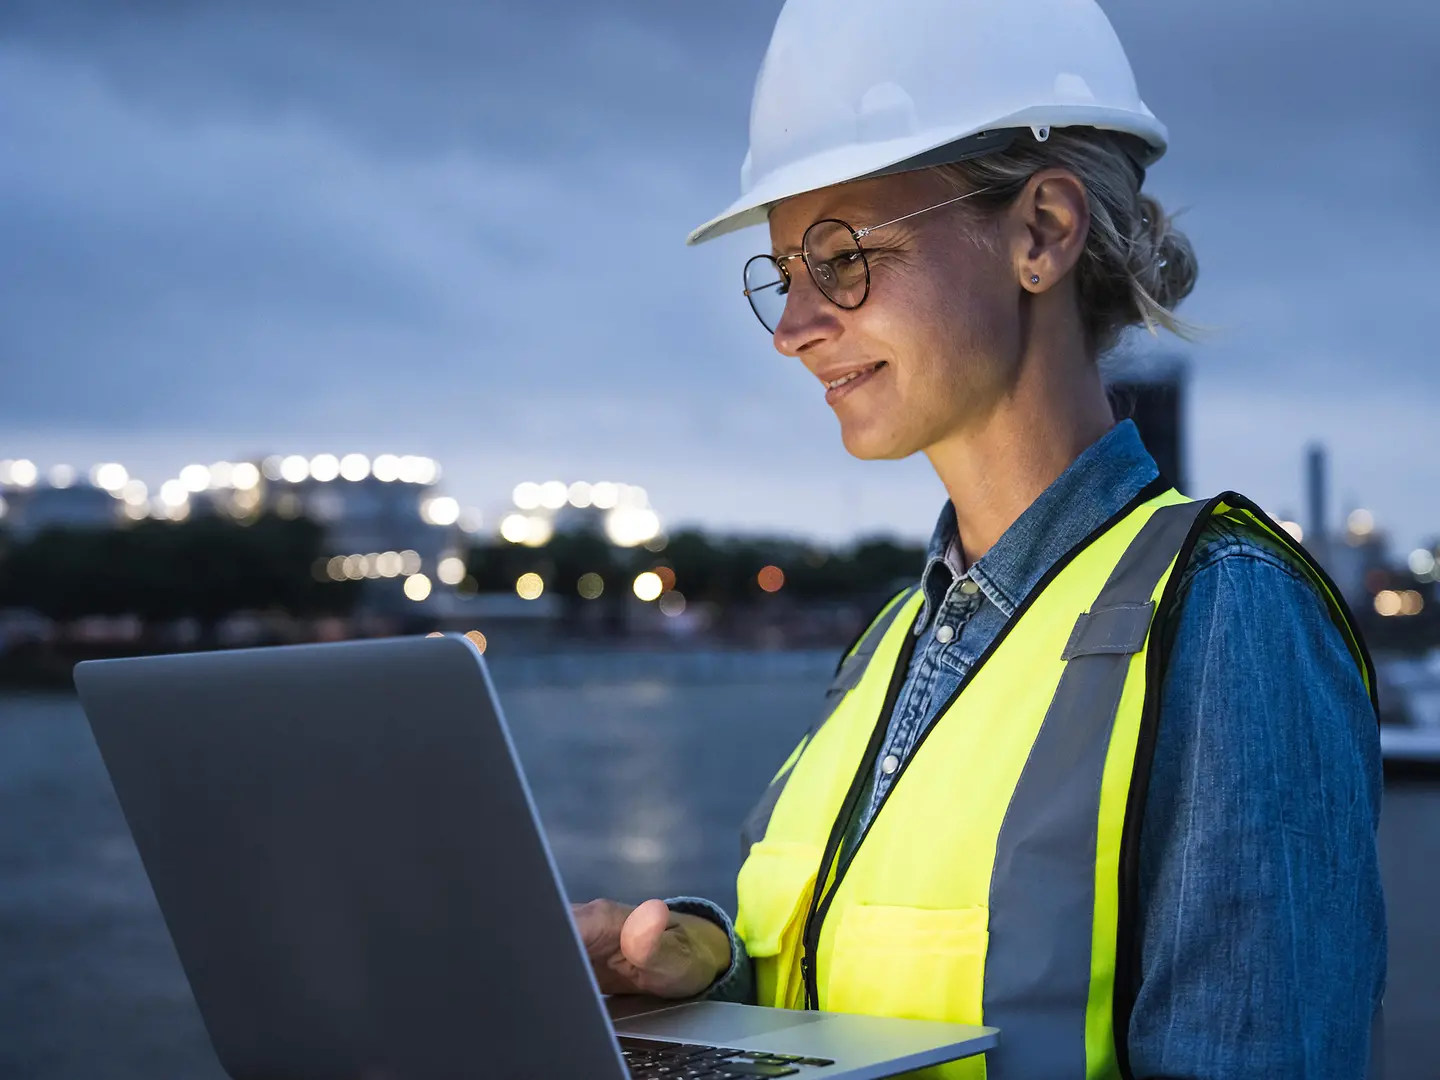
{"x": 945, "y": 635}
{"x": 969, "y": 588}
{"x": 890, "y": 764}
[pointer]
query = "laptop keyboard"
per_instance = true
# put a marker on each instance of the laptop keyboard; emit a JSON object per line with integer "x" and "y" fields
{"x": 651, "y": 1059}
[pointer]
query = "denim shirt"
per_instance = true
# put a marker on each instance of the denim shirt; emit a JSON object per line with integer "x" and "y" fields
{"x": 1262, "y": 922}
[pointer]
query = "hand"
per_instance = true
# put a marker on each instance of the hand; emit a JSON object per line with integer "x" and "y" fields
{"x": 650, "y": 949}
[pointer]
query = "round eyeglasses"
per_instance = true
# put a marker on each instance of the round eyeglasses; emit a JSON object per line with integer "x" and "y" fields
{"x": 835, "y": 259}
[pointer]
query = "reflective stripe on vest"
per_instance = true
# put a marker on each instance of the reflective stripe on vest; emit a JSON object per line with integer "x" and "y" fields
{"x": 990, "y": 885}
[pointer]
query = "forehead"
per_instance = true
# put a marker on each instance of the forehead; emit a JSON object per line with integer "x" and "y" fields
{"x": 859, "y": 203}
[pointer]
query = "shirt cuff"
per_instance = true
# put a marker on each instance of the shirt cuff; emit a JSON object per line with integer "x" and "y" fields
{"x": 737, "y": 984}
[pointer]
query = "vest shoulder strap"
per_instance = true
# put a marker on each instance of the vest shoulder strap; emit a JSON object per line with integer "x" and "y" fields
{"x": 847, "y": 676}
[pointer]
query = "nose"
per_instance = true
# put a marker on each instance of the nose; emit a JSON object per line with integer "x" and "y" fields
{"x": 809, "y": 317}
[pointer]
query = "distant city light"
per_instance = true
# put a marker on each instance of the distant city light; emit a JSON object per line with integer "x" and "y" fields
{"x": 245, "y": 476}
{"x": 110, "y": 476}
{"x": 515, "y": 528}
{"x": 389, "y": 564}
{"x": 325, "y": 467}
{"x": 1387, "y": 602}
{"x": 354, "y": 467}
{"x": 441, "y": 511}
{"x": 386, "y": 468}
{"x": 604, "y": 495}
{"x": 526, "y": 496}
{"x": 590, "y": 586}
{"x": 222, "y": 474}
{"x": 630, "y": 526}
{"x": 672, "y": 604}
{"x": 173, "y": 494}
{"x": 771, "y": 579}
{"x": 294, "y": 469}
{"x": 539, "y": 531}
{"x": 408, "y": 469}
{"x": 7, "y": 471}
{"x": 648, "y": 586}
{"x": 417, "y": 587}
{"x": 62, "y": 476}
{"x": 666, "y": 576}
{"x": 372, "y": 565}
{"x": 23, "y": 473}
{"x": 354, "y": 567}
{"x": 135, "y": 493}
{"x": 1294, "y": 529}
{"x": 178, "y": 513}
{"x": 529, "y": 586}
{"x": 426, "y": 470}
{"x": 335, "y": 568}
{"x": 270, "y": 467}
{"x": 476, "y": 638}
{"x": 1361, "y": 522}
{"x": 451, "y": 570}
{"x": 409, "y": 562}
{"x": 195, "y": 477}
{"x": 1411, "y": 602}
{"x": 137, "y": 511}
{"x": 554, "y": 494}
{"x": 580, "y": 495}
{"x": 635, "y": 496}
{"x": 1422, "y": 562}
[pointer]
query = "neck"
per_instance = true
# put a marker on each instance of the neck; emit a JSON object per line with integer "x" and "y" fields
{"x": 1054, "y": 411}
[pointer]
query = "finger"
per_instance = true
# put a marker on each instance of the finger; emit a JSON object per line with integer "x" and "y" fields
{"x": 642, "y": 937}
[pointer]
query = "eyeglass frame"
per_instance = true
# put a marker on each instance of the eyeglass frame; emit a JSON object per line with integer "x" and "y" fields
{"x": 857, "y": 235}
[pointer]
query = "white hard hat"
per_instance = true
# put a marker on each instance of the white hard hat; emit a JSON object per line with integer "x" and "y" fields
{"x": 854, "y": 88}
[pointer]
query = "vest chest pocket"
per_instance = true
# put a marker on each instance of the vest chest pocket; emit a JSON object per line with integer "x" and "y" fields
{"x": 774, "y": 889}
{"x": 914, "y": 963}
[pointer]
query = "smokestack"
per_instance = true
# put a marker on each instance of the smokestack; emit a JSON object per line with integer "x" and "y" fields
{"x": 1315, "y": 524}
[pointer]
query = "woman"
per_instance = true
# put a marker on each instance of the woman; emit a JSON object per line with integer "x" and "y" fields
{"x": 1108, "y": 776}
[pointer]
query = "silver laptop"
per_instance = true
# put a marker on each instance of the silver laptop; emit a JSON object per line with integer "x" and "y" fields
{"x": 350, "y": 864}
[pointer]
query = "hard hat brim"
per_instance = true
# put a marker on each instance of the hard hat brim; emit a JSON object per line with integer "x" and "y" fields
{"x": 859, "y": 161}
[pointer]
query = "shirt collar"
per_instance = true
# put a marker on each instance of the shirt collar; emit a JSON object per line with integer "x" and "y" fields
{"x": 1096, "y": 486}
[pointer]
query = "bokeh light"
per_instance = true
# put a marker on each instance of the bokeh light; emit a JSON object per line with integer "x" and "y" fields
{"x": 389, "y": 564}
{"x": 417, "y": 587}
{"x": 648, "y": 586}
{"x": 440, "y": 511}
{"x": 410, "y": 562}
{"x": 579, "y": 494}
{"x": 451, "y": 570}
{"x": 294, "y": 469}
{"x": 526, "y": 496}
{"x": 62, "y": 476}
{"x": 515, "y": 528}
{"x": 23, "y": 473}
{"x": 590, "y": 586}
{"x": 222, "y": 474}
{"x": 530, "y": 586}
{"x": 1422, "y": 562}
{"x": 554, "y": 494}
{"x": 672, "y": 604}
{"x": 771, "y": 578}
{"x": 354, "y": 467}
{"x": 386, "y": 468}
{"x": 324, "y": 467}
{"x": 1361, "y": 522}
{"x": 245, "y": 476}
{"x": 666, "y": 576}
{"x": 476, "y": 638}
{"x": 173, "y": 493}
{"x": 1387, "y": 602}
{"x": 604, "y": 495}
{"x": 630, "y": 526}
{"x": 135, "y": 493}
{"x": 110, "y": 476}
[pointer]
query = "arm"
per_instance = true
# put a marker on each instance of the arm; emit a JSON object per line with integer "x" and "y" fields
{"x": 1262, "y": 927}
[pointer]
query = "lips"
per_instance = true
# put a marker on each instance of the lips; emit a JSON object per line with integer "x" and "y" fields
{"x": 848, "y": 381}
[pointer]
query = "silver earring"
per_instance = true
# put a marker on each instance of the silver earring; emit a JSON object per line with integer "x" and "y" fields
{"x": 1034, "y": 279}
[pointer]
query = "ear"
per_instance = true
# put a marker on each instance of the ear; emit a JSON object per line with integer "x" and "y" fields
{"x": 1052, "y": 219}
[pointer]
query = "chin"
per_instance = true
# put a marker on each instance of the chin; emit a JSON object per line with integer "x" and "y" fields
{"x": 869, "y": 444}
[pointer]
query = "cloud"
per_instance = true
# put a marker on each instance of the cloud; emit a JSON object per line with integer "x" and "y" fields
{"x": 459, "y": 226}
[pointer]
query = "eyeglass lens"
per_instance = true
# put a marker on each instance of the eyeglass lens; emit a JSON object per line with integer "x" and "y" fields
{"x": 836, "y": 265}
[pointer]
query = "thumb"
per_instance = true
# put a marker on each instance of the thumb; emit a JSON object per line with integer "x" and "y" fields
{"x": 642, "y": 936}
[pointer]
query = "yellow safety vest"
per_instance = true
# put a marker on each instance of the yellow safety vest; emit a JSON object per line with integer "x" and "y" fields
{"x": 997, "y": 882}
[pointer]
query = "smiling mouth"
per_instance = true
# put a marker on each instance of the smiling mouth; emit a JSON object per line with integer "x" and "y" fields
{"x": 849, "y": 377}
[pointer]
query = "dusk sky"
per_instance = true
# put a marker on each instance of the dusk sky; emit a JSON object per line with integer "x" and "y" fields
{"x": 457, "y": 229}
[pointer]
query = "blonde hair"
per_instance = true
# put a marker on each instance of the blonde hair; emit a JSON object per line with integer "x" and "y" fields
{"x": 1136, "y": 266}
